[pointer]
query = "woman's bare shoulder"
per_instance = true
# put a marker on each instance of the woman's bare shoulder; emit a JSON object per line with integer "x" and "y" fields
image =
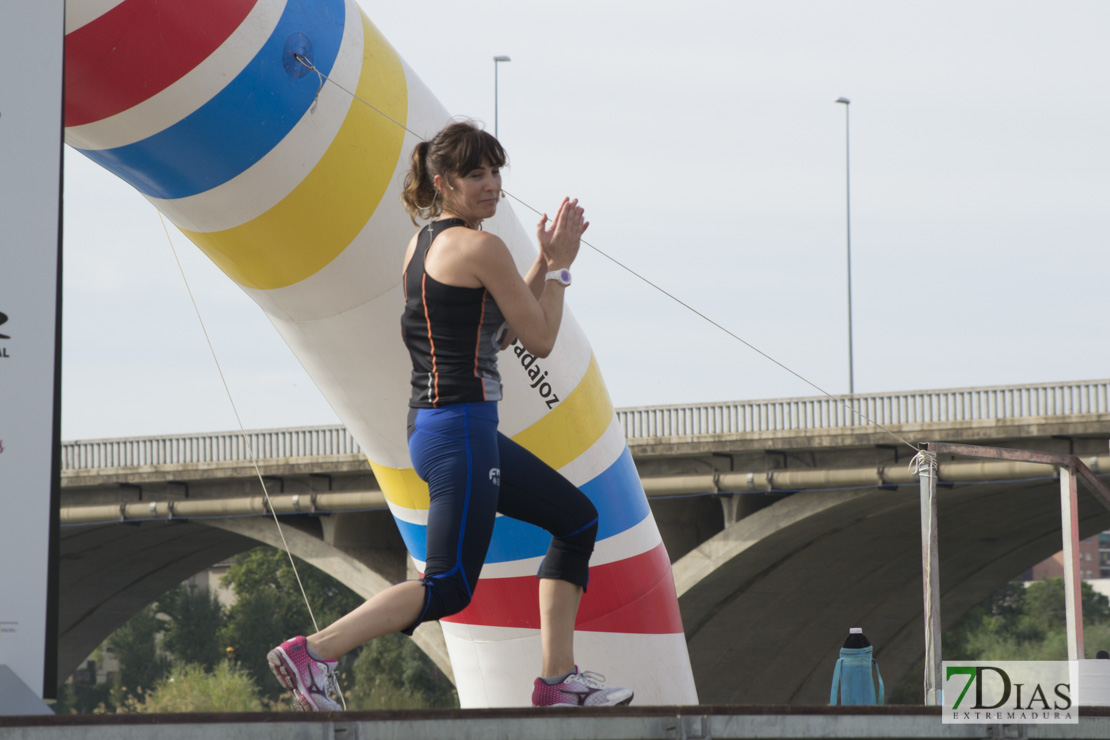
{"x": 478, "y": 244}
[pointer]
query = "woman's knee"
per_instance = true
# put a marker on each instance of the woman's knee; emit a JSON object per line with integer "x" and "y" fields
{"x": 447, "y": 595}
{"x": 443, "y": 596}
{"x": 582, "y": 539}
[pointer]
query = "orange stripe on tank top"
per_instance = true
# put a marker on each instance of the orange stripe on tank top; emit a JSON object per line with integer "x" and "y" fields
{"x": 431, "y": 342}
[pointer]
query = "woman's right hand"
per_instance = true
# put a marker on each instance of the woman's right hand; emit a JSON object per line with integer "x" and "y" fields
{"x": 559, "y": 244}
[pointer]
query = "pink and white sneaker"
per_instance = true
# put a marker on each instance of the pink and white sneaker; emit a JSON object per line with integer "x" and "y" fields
{"x": 579, "y": 689}
{"x": 311, "y": 681}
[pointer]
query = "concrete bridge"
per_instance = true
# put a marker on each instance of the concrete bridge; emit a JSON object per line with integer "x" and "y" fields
{"x": 787, "y": 521}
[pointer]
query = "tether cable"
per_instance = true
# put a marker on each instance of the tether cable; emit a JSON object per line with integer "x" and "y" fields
{"x": 246, "y": 439}
{"x": 308, "y": 64}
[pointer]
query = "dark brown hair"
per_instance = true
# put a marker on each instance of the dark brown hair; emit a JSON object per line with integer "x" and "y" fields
{"x": 454, "y": 151}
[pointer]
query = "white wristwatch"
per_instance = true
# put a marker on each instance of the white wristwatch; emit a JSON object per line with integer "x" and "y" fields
{"x": 560, "y": 276}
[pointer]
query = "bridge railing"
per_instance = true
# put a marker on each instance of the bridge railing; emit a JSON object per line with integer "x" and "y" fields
{"x": 790, "y": 414}
{"x": 822, "y": 412}
{"x": 268, "y": 444}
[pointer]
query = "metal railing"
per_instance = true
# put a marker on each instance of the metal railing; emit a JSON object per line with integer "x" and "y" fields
{"x": 791, "y": 414}
{"x": 266, "y": 444}
{"x": 888, "y": 409}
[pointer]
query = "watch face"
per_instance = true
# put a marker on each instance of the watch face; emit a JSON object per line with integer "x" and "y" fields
{"x": 563, "y": 276}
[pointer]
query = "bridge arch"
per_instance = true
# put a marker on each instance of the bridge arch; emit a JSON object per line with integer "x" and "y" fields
{"x": 759, "y": 633}
{"x": 112, "y": 571}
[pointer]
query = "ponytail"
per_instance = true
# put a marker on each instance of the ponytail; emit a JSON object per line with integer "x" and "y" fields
{"x": 419, "y": 195}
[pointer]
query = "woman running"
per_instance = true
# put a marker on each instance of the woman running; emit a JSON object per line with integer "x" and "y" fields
{"x": 464, "y": 302}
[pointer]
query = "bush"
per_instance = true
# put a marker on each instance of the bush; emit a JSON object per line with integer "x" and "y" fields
{"x": 188, "y": 688}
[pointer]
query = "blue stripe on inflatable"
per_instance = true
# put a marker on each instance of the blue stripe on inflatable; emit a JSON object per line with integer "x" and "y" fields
{"x": 616, "y": 493}
{"x": 244, "y": 121}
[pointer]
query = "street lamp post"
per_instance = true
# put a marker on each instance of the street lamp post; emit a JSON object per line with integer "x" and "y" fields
{"x": 848, "y": 197}
{"x": 497, "y": 59}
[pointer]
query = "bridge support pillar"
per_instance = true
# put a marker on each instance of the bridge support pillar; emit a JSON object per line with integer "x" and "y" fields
{"x": 730, "y": 506}
{"x": 371, "y": 538}
{"x": 736, "y": 506}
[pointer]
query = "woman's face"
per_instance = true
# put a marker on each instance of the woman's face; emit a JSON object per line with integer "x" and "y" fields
{"x": 473, "y": 195}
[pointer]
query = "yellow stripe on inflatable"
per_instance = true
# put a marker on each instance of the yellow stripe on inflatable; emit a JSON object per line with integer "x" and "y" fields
{"x": 401, "y": 486}
{"x": 574, "y": 425}
{"x": 326, "y": 211}
{"x": 567, "y": 432}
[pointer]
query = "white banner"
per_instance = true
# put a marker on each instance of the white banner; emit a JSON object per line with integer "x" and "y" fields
{"x": 31, "y": 36}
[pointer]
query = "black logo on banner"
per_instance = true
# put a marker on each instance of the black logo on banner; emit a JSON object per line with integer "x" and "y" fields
{"x": 537, "y": 377}
{"x": 3, "y": 320}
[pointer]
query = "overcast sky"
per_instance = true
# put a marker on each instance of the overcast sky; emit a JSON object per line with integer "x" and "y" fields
{"x": 705, "y": 143}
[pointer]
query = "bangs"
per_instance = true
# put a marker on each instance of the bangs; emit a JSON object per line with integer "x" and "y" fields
{"x": 477, "y": 148}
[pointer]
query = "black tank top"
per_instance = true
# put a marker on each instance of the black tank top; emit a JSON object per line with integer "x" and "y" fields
{"x": 452, "y": 333}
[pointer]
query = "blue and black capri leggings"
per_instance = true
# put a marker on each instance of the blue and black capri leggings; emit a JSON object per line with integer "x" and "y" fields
{"x": 473, "y": 472}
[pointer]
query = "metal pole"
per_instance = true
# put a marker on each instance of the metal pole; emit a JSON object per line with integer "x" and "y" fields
{"x": 930, "y": 576}
{"x": 848, "y": 197}
{"x": 1073, "y": 589}
{"x": 496, "y": 60}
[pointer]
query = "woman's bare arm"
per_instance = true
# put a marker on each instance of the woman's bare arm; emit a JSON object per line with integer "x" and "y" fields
{"x": 532, "y": 308}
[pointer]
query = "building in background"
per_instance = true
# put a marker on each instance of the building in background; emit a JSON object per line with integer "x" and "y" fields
{"x": 1094, "y": 561}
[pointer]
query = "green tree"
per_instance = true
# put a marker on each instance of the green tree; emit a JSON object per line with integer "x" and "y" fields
{"x": 196, "y": 618}
{"x": 135, "y": 645}
{"x": 1045, "y": 604}
{"x": 254, "y": 625}
{"x": 1017, "y": 622}
{"x": 269, "y": 607}
{"x": 387, "y": 673}
{"x": 391, "y": 672}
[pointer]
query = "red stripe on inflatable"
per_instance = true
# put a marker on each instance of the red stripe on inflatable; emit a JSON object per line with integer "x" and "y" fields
{"x": 139, "y": 48}
{"x": 617, "y": 600}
